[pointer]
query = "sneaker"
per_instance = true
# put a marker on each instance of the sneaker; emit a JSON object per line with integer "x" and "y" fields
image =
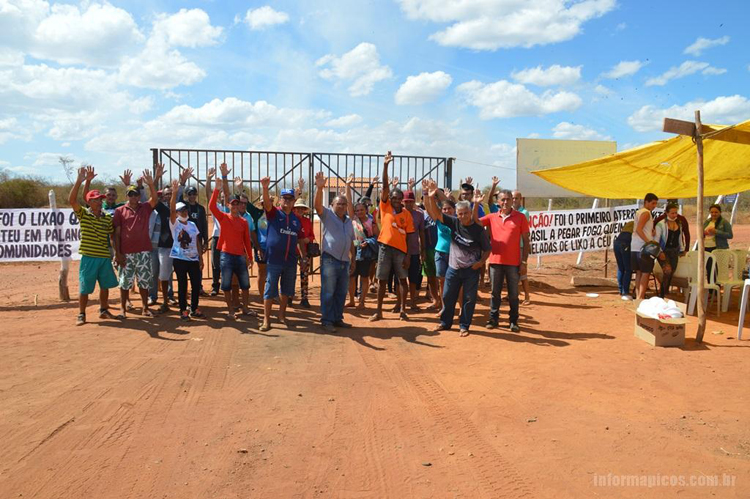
{"x": 304, "y": 303}
{"x": 514, "y": 327}
{"x": 491, "y": 324}
{"x": 184, "y": 316}
{"x": 626, "y": 298}
{"x": 197, "y": 314}
{"x": 328, "y": 328}
{"x": 81, "y": 320}
{"x": 342, "y": 324}
{"x": 214, "y": 292}
{"x": 151, "y": 302}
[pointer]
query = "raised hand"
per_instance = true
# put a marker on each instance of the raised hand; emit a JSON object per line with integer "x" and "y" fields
{"x": 175, "y": 185}
{"x": 264, "y": 182}
{"x": 394, "y": 182}
{"x": 209, "y": 174}
{"x": 90, "y": 174}
{"x": 238, "y": 183}
{"x": 301, "y": 184}
{"x": 320, "y": 180}
{"x": 224, "y": 170}
{"x": 159, "y": 171}
{"x": 425, "y": 186}
{"x": 186, "y": 174}
{"x": 388, "y": 158}
{"x": 350, "y": 179}
{"x": 374, "y": 180}
{"x": 148, "y": 178}
{"x": 126, "y": 177}
{"x": 495, "y": 181}
{"x": 412, "y": 182}
{"x": 431, "y": 187}
{"x": 478, "y": 196}
{"x": 82, "y": 173}
{"x": 469, "y": 180}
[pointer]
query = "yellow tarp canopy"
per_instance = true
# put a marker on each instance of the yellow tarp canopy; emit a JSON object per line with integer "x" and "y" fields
{"x": 667, "y": 168}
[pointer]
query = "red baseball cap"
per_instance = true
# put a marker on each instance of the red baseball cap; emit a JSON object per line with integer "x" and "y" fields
{"x": 409, "y": 196}
{"x": 94, "y": 195}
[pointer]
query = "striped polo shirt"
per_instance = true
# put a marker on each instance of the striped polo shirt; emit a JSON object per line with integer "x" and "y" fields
{"x": 95, "y": 232}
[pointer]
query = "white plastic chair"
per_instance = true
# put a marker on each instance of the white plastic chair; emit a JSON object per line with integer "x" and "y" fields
{"x": 708, "y": 284}
{"x": 725, "y": 276}
{"x": 740, "y": 261}
{"x": 743, "y": 307}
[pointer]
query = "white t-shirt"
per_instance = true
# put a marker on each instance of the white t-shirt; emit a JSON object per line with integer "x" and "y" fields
{"x": 185, "y": 245}
{"x": 710, "y": 241}
{"x": 636, "y": 243}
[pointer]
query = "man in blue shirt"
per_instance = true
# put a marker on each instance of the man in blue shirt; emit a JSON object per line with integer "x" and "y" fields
{"x": 281, "y": 252}
{"x": 337, "y": 253}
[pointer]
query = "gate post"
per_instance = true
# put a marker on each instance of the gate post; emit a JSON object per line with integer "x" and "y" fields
{"x": 449, "y": 173}
{"x": 155, "y": 156}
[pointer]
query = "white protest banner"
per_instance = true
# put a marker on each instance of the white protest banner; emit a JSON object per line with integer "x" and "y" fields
{"x": 571, "y": 231}
{"x": 39, "y": 234}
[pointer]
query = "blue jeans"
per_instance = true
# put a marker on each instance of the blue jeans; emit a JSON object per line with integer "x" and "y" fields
{"x": 334, "y": 285}
{"x": 234, "y": 265}
{"x": 624, "y": 272}
{"x": 498, "y": 274}
{"x": 455, "y": 279}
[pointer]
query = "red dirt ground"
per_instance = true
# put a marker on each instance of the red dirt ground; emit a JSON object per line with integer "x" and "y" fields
{"x": 158, "y": 408}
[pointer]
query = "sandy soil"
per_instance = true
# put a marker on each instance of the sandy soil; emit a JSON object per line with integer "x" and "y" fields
{"x": 157, "y": 408}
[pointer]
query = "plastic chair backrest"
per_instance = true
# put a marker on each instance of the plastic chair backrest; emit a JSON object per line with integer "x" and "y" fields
{"x": 740, "y": 263}
{"x": 724, "y": 259}
{"x": 711, "y": 267}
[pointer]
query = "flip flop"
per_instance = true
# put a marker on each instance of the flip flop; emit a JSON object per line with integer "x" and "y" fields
{"x": 250, "y": 312}
{"x": 464, "y": 333}
{"x": 147, "y": 313}
{"x": 376, "y": 317}
{"x": 104, "y": 313}
{"x": 264, "y": 327}
{"x": 403, "y": 316}
{"x": 120, "y": 317}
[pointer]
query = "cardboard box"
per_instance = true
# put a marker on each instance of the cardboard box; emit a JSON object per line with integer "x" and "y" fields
{"x": 661, "y": 332}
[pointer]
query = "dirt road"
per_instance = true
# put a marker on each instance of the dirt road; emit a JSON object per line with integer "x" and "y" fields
{"x": 211, "y": 409}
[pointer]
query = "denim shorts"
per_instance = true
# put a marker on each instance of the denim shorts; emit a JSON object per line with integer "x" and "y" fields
{"x": 441, "y": 263}
{"x": 234, "y": 265}
{"x": 275, "y": 273}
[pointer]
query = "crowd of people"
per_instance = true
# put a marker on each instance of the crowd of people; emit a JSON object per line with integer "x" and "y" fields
{"x": 397, "y": 244}
{"x": 664, "y": 238}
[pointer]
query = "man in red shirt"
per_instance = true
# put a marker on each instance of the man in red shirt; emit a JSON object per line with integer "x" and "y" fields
{"x": 234, "y": 244}
{"x": 133, "y": 243}
{"x": 507, "y": 228}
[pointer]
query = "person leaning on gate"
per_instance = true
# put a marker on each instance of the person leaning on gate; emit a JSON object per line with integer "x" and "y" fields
{"x": 97, "y": 233}
{"x": 396, "y": 223}
{"x": 281, "y": 252}
{"x": 337, "y": 260}
{"x": 508, "y": 228}
{"x": 186, "y": 255}
{"x": 234, "y": 244}
{"x": 132, "y": 242}
{"x": 643, "y": 232}
{"x": 469, "y": 250}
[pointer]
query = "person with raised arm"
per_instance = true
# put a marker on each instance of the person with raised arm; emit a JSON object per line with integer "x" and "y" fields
{"x": 133, "y": 244}
{"x": 396, "y": 223}
{"x": 415, "y": 243}
{"x": 469, "y": 249}
{"x": 337, "y": 253}
{"x": 508, "y": 228}
{"x": 97, "y": 233}
{"x": 214, "y": 241}
{"x": 186, "y": 255}
{"x": 234, "y": 244}
{"x": 284, "y": 229}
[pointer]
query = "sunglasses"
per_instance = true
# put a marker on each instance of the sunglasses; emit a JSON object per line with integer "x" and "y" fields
{"x": 133, "y": 194}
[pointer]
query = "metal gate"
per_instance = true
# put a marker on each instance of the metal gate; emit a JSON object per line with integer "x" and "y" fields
{"x": 286, "y": 168}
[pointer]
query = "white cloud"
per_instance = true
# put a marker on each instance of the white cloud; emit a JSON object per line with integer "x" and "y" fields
{"x": 159, "y": 67}
{"x": 685, "y": 69}
{"x": 264, "y": 17}
{"x": 422, "y": 88}
{"x": 504, "y": 99}
{"x": 187, "y": 28}
{"x": 494, "y": 24}
{"x": 233, "y": 112}
{"x": 602, "y": 90}
{"x": 570, "y": 131}
{"x": 10, "y": 57}
{"x": 702, "y": 44}
{"x": 361, "y": 66}
{"x": 725, "y": 110}
{"x": 98, "y": 36}
{"x": 621, "y": 26}
{"x": 624, "y": 68}
{"x": 553, "y": 75}
{"x": 344, "y": 121}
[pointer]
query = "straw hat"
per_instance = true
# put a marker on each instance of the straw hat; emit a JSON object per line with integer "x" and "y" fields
{"x": 301, "y": 204}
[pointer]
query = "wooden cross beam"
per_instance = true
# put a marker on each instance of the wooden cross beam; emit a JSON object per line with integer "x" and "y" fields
{"x": 681, "y": 127}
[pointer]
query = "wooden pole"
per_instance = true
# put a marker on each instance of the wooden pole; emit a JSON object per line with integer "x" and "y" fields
{"x": 701, "y": 242}
{"x": 594, "y": 206}
{"x": 606, "y": 249}
{"x": 62, "y": 280}
{"x": 538, "y": 257}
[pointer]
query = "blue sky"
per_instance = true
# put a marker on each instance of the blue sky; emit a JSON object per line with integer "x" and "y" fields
{"x": 102, "y": 83}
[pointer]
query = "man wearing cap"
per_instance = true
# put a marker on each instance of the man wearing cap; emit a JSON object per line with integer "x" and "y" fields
{"x": 96, "y": 240}
{"x": 284, "y": 229}
{"x": 110, "y": 204}
{"x": 234, "y": 243}
{"x": 132, "y": 242}
{"x": 306, "y": 237}
{"x": 197, "y": 213}
{"x": 415, "y": 244}
{"x": 337, "y": 253}
{"x": 396, "y": 224}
